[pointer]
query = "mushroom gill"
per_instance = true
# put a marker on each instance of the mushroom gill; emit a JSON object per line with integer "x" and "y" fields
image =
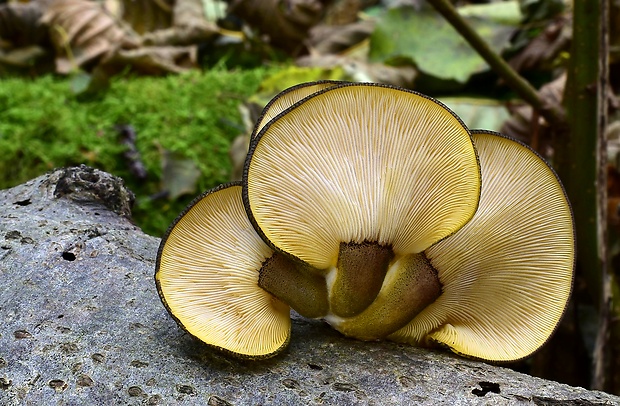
{"x": 207, "y": 275}
{"x": 507, "y": 274}
{"x": 287, "y": 98}
{"x": 376, "y": 209}
{"x": 355, "y": 176}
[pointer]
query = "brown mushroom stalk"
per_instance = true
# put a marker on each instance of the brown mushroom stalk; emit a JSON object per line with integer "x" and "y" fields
{"x": 358, "y": 276}
{"x": 411, "y": 284}
{"x": 293, "y": 283}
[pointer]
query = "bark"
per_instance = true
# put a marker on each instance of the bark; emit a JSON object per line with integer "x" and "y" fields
{"x": 602, "y": 349}
{"x": 82, "y": 324}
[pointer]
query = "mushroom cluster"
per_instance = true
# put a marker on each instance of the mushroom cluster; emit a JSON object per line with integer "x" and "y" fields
{"x": 376, "y": 209}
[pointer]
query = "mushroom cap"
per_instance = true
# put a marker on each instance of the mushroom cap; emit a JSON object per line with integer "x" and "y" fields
{"x": 287, "y": 98}
{"x": 507, "y": 274}
{"x": 360, "y": 162}
{"x": 207, "y": 277}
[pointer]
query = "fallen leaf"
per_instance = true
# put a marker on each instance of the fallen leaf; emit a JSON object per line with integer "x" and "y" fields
{"x": 180, "y": 175}
{"x": 357, "y": 70}
{"x": 426, "y": 39}
{"x": 327, "y": 39}
{"x": 83, "y": 33}
{"x": 155, "y": 60}
{"x": 285, "y": 22}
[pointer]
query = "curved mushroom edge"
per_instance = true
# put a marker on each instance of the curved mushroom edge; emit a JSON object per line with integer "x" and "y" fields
{"x": 570, "y": 208}
{"x": 560, "y": 184}
{"x": 428, "y": 341}
{"x": 256, "y": 138}
{"x": 302, "y": 88}
{"x": 557, "y": 178}
{"x": 162, "y": 296}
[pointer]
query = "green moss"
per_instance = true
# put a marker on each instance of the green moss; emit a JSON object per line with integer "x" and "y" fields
{"x": 44, "y": 126}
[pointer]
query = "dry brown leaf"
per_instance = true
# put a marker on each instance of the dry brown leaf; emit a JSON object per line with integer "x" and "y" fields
{"x": 181, "y": 35}
{"x": 19, "y": 25}
{"x": 83, "y": 33}
{"x": 528, "y": 126}
{"x": 542, "y": 50}
{"x": 147, "y": 15}
{"x": 285, "y": 22}
{"x": 78, "y": 59}
{"x": 84, "y": 23}
{"x": 329, "y": 39}
{"x": 22, "y": 57}
{"x": 90, "y": 32}
{"x": 363, "y": 71}
{"x": 166, "y": 22}
{"x": 188, "y": 13}
{"x": 24, "y": 42}
{"x": 342, "y": 12}
{"x": 153, "y": 60}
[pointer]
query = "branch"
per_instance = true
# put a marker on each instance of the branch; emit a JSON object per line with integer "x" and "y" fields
{"x": 602, "y": 374}
{"x": 523, "y": 88}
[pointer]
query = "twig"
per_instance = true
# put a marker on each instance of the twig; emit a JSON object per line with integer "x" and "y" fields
{"x": 132, "y": 155}
{"x": 523, "y": 88}
{"x": 66, "y": 44}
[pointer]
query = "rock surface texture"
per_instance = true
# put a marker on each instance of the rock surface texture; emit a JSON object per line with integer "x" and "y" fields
{"x": 82, "y": 324}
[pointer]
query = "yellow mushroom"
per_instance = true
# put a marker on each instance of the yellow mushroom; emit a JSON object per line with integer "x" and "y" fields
{"x": 376, "y": 209}
{"x": 352, "y": 179}
{"x": 506, "y": 275}
{"x": 207, "y": 277}
{"x": 289, "y": 97}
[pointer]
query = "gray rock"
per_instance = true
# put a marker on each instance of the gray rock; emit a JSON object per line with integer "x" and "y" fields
{"x": 82, "y": 324}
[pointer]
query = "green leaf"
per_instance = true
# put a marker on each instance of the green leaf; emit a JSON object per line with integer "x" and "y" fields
{"x": 180, "y": 175}
{"x": 487, "y": 114}
{"x": 430, "y": 43}
{"x": 80, "y": 82}
{"x": 292, "y": 76}
{"x": 503, "y": 12}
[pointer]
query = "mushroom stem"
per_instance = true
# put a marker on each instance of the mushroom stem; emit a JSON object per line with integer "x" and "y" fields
{"x": 304, "y": 291}
{"x": 411, "y": 284}
{"x": 358, "y": 277}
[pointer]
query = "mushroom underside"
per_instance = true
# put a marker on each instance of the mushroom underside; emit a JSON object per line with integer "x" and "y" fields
{"x": 207, "y": 275}
{"x": 377, "y": 210}
{"x": 507, "y": 275}
{"x": 345, "y": 194}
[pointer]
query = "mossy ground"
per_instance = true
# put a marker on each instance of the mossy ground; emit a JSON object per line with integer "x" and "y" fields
{"x": 43, "y": 125}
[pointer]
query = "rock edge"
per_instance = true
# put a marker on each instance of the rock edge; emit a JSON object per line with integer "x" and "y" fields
{"x": 83, "y": 324}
